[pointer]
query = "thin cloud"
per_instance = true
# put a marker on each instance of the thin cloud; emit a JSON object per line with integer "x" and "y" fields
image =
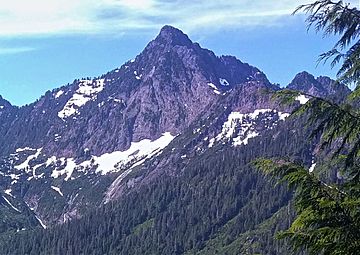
{"x": 14, "y": 50}
{"x": 20, "y": 18}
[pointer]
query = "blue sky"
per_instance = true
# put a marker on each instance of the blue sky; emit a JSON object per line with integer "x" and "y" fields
{"x": 47, "y": 43}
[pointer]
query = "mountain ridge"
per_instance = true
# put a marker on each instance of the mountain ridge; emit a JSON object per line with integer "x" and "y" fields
{"x": 133, "y": 80}
{"x": 96, "y": 140}
{"x": 321, "y": 86}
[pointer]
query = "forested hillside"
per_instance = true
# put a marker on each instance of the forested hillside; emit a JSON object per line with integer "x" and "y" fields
{"x": 180, "y": 151}
{"x": 219, "y": 204}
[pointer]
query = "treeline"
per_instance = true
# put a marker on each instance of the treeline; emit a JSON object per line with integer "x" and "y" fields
{"x": 218, "y": 201}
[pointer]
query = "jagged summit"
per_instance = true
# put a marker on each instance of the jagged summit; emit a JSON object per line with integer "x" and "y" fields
{"x": 173, "y": 53}
{"x": 303, "y": 80}
{"x": 98, "y": 139}
{"x": 322, "y": 86}
{"x": 169, "y": 37}
{"x": 4, "y": 103}
{"x": 325, "y": 80}
{"x": 173, "y": 36}
{"x": 164, "y": 89}
{"x": 170, "y": 29}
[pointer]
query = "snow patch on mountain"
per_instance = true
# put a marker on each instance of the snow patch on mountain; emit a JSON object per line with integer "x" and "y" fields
{"x": 312, "y": 167}
{"x": 138, "y": 77}
{"x": 240, "y": 127}
{"x": 57, "y": 137}
{"x": 224, "y": 82}
{"x": 8, "y": 192}
{"x": 302, "y": 99}
{"x": 87, "y": 91}
{"x": 13, "y": 207}
{"x": 138, "y": 151}
{"x": 68, "y": 170}
{"x": 24, "y": 149}
{"x": 25, "y": 165}
{"x": 110, "y": 162}
{"x": 243, "y": 139}
{"x": 57, "y": 190}
{"x": 13, "y": 177}
{"x": 59, "y": 94}
{"x": 40, "y": 221}
{"x": 215, "y": 89}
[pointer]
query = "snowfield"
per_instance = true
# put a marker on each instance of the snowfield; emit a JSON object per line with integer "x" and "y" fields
{"x": 240, "y": 127}
{"x": 87, "y": 91}
{"x": 115, "y": 161}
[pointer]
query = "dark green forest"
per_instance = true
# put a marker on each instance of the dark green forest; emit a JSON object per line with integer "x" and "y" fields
{"x": 219, "y": 204}
{"x": 260, "y": 198}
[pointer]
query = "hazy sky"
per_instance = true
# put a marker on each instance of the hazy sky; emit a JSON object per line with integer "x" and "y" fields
{"x": 47, "y": 43}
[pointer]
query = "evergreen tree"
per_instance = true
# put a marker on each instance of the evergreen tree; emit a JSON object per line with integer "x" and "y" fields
{"x": 338, "y": 18}
{"x": 328, "y": 219}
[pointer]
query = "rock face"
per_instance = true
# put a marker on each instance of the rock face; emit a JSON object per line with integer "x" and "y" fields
{"x": 321, "y": 86}
{"x": 95, "y": 139}
{"x": 164, "y": 89}
{"x": 7, "y": 116}
{"x": 4, "y": 104}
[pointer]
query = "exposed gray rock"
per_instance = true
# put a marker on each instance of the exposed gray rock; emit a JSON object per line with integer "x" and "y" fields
{"x": 322, "y": 86}
{"x": 163, "y": 90}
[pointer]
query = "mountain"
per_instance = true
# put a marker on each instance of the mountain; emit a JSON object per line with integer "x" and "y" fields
{"x": 171, "y": 77}
{"x": 158, "y": 148}
{"x": 4, "y": 104}
{"x": 114, "y": 122}
{"x": 321, "y": 86}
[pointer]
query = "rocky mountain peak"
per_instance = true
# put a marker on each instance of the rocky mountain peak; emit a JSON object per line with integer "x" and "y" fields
{"x": 303, "y": 80}
{"x": 322, "y": 86}
{"x": 3, "y": 103}
{"x": 172, "y": 36}
{"x": 106, "y": 135}
{"x": 164, "y": 89}
{"x": 325, "y": 81}
{"x": 173, "y": 64}
{"x": 168, "y": 38}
